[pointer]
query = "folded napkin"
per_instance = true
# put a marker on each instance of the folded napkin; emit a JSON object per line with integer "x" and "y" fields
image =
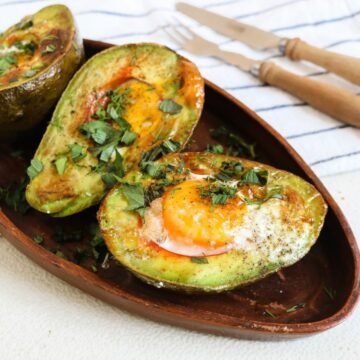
{"x": 329, "y": 146}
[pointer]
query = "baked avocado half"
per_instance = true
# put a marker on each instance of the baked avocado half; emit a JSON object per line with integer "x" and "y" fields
{"x": 38, "y": 56}
{"x": 126, "y": 104}
{"x": 200, "y": 222}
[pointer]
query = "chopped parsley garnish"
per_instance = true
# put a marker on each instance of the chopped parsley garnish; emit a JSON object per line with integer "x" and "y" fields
{"x": 27, "y": 47}
{"x": 295, "y": 307}
{"x": 76, "y": 152}
{"x": 14, "y": 196}
{"x": 135, "y": 197}
{"x": 237, "y": 146}
{"x": 35, "y": 168}
{"x": 330, "y": 292}
{"x": 170, "y": 106}
{"x": 108, "y": 138}
{"x": 215, "y": 148}
{"x": 39, "y": 239}
{"x": 33, "y": 70}
{"x": 255, "y": 176}
{"x": 24, "y": 24}
{"x": 269, "y": 313}
{"x": 60, "y": 164}
{"x": 59, "y": 253}
{"x": 147, "y": 158}
{"x": 219, "y": 192}
{"x": 49, "y": 37}
{"x": 197, "y": 260}
{"x": 49, "y": 49}
{"x": 6, "y": 62}
{"x": 272, "y": 193}
{"x": 229, "y": 170}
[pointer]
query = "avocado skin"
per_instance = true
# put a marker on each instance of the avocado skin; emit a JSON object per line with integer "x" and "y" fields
{"x": 25, "y": 105}
{"x": 223, "y": 272}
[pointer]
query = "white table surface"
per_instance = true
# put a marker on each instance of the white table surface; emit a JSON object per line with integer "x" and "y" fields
{"x": 41, "y": 317}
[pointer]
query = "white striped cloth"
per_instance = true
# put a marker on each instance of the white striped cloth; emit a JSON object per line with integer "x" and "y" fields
{"x": 329, "y": 146}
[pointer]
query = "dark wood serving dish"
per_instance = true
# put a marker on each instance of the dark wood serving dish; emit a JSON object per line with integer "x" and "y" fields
{"x": 333, "y": 263}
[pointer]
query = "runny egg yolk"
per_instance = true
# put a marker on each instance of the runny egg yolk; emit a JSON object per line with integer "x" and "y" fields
{"x": 195, "y": 227}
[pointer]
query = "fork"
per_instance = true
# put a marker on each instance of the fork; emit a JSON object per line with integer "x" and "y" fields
{"x": 329, "y": 99}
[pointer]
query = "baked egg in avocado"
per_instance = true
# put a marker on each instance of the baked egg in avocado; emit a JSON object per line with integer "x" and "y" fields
{"x": 200, "y": 222}
{"x": 126, "y": 104}
{"x": 38, "y": 56}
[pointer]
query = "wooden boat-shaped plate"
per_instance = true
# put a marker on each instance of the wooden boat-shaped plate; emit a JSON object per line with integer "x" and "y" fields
{"x": 326, "y": 280}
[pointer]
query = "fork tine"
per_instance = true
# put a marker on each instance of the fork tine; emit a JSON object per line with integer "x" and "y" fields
{"x": 185, "y": 27}
{"x": 173, "y": 37}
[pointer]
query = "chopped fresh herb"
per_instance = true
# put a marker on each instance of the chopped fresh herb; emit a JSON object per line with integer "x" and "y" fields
{"x": 14, "y": 196}
{"x": 80, "y": 255}
{"x": 295, "y": 307}
{"x": 39, "y": 239}
{"x": 99, "y": 131}
{"x": 170, "y": 106}
{"x": 62, "y": 236}
{"x": 94, "y": 268}
{"x": 215, "y": 148}
{"x": 237, "y": 146}
{"x": 255, "y": 176}
{"x": 168, "y": 146}
{"x": 269, "y": 313}
{"x": 76, "y": 152}
{"x": 49, "y": 49}
{"x": 6, "y": 63}
{"x": 330, "y": 292}
{"x": 219, "y": 192}
{"x": 59, "y": 253}
{"x": 197, "y": 260}
{"x": 23, "y": 25}
{"x": 60, "y": 164}
{"x": 273, "y": 193}
{"x": 129, "y": 137}
{"x": 134, "y": 194}
{"x": 35, "y": 168}
{"x": 229, "y": 170}
{"x": 27, "y": 47}
{"x": 49, "y": 37}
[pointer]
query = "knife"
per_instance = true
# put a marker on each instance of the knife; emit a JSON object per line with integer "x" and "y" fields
{"x": 295, "y": 49}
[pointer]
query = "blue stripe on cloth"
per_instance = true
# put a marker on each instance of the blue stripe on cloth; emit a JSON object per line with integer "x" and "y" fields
{"x": 316, "y": 132}
{"x": 120, "y": 14}
{"x": 336, "y": 157}
{"x": 276, "y": 107}
{"x": 21, "y": 2}
{"x": 318, "y": 23}
{"x": 269, "y": 9}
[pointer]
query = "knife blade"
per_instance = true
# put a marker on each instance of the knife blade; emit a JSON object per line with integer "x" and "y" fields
{"x": 295, "y": 49}
{"x": 250, "y": 35}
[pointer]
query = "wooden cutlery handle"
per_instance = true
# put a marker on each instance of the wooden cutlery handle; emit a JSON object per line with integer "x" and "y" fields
{"x": 345, "y": 66}
{"x": 332, "y": 100}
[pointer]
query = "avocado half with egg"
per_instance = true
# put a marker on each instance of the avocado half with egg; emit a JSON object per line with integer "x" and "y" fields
{"x": 127, "y": 104}
{"x": 199, "y": 222}
{"x": 38, "y": 57}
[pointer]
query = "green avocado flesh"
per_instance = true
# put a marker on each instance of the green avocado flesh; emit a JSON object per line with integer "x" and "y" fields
{"x": 38, "y": 56}
{"x": 126, "y": 103}
{"x": 275, "y": 218}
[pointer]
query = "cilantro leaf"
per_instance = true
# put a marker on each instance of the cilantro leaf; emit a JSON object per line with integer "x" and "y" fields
{"x": 14, "y": 196}
{"x": 60, "y": 164}
{"x": 215, "y": 148}
{"x": 134, "y": 194}
{"x": 255, "y": 176}
{"x": 170, "y": 106}
{"x": 49, "y": 49}
{"x": 35, "y": 168}
{"x": 76, "y": 152}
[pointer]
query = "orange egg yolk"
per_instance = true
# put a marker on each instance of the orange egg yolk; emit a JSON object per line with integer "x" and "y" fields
{"x": 191, "y": 220}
